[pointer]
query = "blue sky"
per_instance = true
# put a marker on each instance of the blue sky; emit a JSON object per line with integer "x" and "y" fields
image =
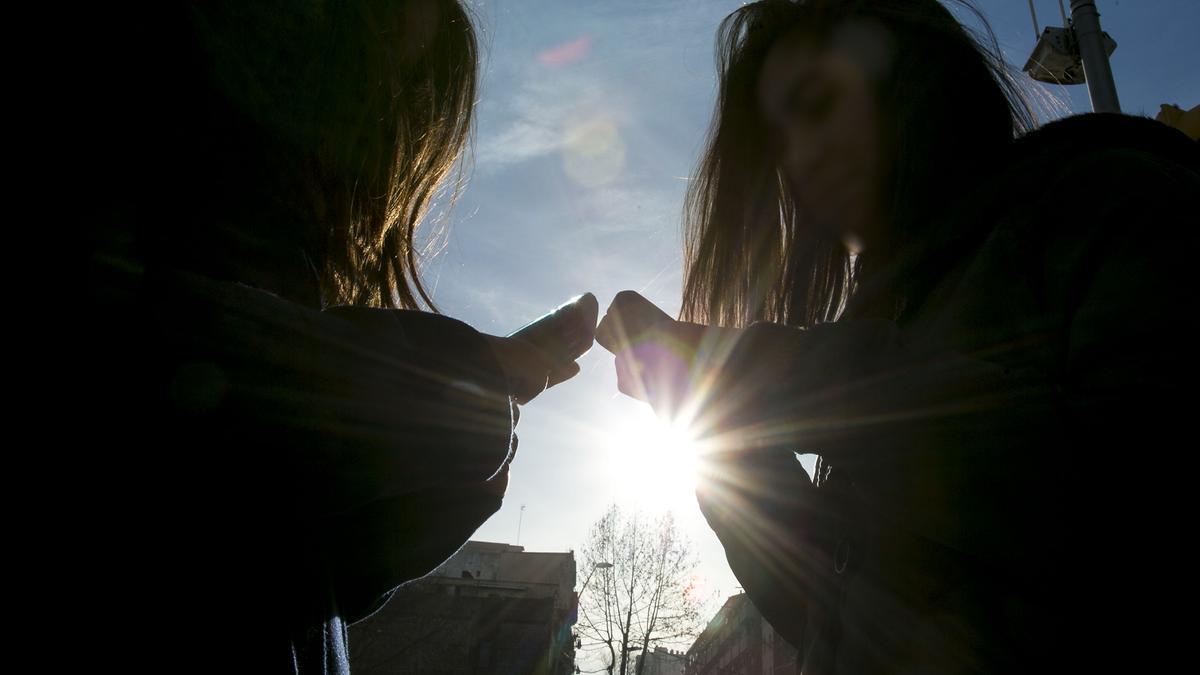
{"x": 590, "y": 118}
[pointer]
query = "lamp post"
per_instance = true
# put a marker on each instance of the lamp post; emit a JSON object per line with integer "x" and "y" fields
{"x": 1094, "y": 54}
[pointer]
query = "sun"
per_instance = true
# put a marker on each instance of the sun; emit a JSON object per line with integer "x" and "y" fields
{"x": 652, "y": 463}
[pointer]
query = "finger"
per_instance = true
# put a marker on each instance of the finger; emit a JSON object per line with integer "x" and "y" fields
{"x": 563, "y": 373}
{"x": 630, "y": 301}
{"x": 529, "y": 389}
{"x": 637, "y": 314}
{"x": 607, "y": 335}
{"x": 629, "y": 377}
{"x": 614, "y": 329}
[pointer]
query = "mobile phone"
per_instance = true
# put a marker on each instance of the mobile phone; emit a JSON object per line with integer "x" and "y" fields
{"x": 565, "y": 332}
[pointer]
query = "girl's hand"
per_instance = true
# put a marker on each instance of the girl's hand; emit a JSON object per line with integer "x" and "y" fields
{"x": 628, "y": 317}
{"x": 658, "y": 359}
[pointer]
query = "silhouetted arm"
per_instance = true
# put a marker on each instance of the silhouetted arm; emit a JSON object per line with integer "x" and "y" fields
{"x": 1115, "y": 284}
{"x": 378, "y": 439}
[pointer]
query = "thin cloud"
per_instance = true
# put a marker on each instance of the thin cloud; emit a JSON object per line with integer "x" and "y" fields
{"x": 533, "y": 122}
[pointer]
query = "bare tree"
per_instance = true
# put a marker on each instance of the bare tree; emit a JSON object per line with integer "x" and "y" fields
{"x": 643, "y": 594}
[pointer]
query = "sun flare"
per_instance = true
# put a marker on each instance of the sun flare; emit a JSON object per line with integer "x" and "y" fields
{"x": 652, "y": 462}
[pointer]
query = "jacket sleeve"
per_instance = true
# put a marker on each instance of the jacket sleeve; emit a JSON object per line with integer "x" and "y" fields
{"x": 379, "y": 439}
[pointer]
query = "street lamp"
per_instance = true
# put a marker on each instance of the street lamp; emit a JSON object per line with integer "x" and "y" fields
{"x": 1076, "y": 53}
{"x": 595, "y": 566}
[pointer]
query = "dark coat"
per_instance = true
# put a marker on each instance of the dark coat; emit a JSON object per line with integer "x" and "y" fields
{"x": 1005, "y": 461}
{"x": 239, "y": 473}
{"x": 270, "y": 471}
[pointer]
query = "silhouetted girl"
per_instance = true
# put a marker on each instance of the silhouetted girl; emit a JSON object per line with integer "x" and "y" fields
{"x": 983, "y": 330}
{"x": 285, "y": 438}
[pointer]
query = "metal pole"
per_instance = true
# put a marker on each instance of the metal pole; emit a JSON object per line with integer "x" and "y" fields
{"x": 1085, "y": 20}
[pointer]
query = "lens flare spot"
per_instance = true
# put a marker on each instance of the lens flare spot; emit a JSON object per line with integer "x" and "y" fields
{"x": 594, "y": 152}
{"x": 565, "y": 53}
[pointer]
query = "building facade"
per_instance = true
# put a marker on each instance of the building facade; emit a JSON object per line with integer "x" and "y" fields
{"x": 491, "y": 608}
{"x": 661, "y": 661}
{"x": 738, "y": 641}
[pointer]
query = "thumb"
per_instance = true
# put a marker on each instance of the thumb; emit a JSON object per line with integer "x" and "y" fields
{"x": 562, "y": 373}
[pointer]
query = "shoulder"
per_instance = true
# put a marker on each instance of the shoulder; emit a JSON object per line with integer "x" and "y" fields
{"x": 1093, "y": 194}
{"x": 1081, "y": 175}
{"x": 1112, "y": 199}
{"x": 1097, "y": 158}
{"x": 1097, "y": 174}
{"x": 1081, "y": 134}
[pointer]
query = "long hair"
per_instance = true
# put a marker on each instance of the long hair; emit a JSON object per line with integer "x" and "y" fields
{"x": 328, "y": 127}
{"x": 949, "y": 104}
